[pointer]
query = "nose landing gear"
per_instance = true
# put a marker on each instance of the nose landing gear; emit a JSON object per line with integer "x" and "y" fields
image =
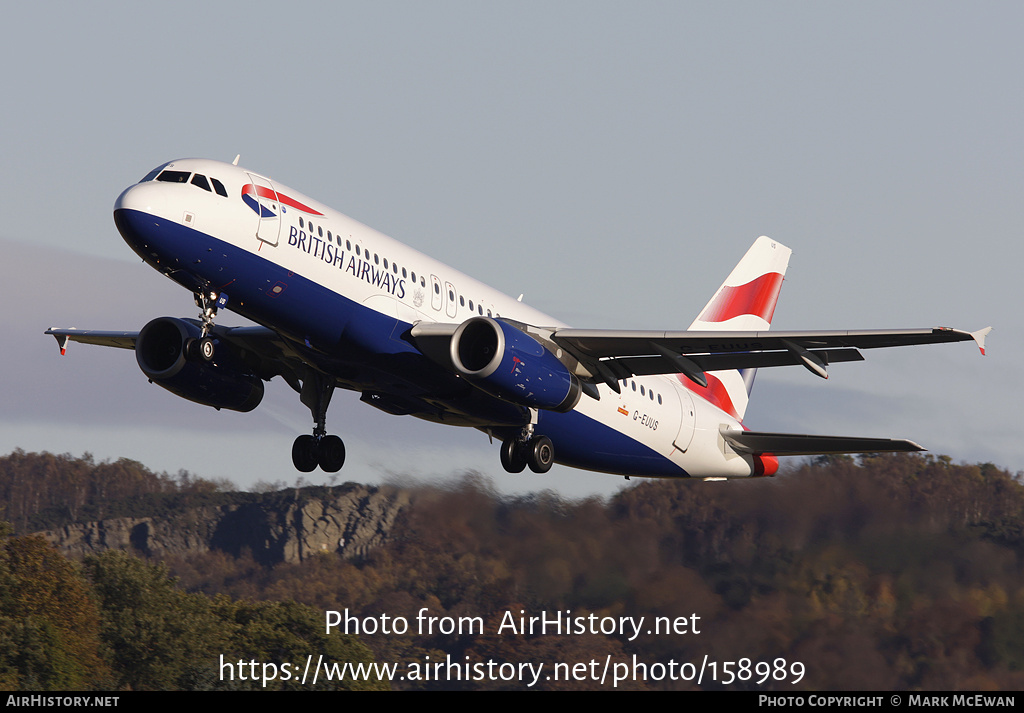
{"x": 204, "y": 347}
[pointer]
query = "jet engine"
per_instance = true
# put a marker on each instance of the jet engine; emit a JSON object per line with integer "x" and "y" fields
{"x": 510, "y": 364}
{"x": 166, "y": 352}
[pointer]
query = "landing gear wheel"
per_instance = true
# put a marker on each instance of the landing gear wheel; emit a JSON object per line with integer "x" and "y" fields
{"x": 512, "y": 459}
{"x": 207, "y": 348}
{"x": 331, "y": 454}
{"x": 305, "y": 455}
{"x": 540, "y": 454}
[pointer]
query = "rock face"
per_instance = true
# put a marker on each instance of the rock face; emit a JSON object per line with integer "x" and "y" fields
{"x": 286, "y": 526}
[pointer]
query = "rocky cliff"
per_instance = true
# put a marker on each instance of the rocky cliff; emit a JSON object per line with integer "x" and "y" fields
{"x": 287, "y": 526}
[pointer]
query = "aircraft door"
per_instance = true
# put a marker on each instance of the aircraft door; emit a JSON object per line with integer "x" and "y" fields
{"x": 452, "y": 299}
{"x": 687, "y": 420}
{"x": 435, "y": 292}
{"x": 261, "y": 196}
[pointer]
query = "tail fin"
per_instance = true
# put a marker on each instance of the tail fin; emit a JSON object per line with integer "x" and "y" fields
{"x": 745, "y": 302}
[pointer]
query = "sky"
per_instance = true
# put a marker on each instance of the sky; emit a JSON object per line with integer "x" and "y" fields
{"x": 611, "y": 161}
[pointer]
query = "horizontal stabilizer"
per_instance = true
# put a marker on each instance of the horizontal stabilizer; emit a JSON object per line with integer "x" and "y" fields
{"x": 794, "y": 444}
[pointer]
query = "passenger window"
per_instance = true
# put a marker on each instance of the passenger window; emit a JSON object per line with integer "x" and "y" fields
{"x": 219, "y": 187}
{"x": 301, "y": 224}
{"x": 320, "y": 230}
{"x": 348, "y": 245}
{"x": 200, "y": 180}
{"x": 174, "y": 176}
{"x": 385, "y": 263}
{"x": 437, "y": 288}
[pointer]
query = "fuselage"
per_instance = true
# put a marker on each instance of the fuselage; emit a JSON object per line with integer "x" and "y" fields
{"x": 347, "y": 296}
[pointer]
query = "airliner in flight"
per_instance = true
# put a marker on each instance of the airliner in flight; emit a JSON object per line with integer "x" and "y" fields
{"x": 343, "y": 306}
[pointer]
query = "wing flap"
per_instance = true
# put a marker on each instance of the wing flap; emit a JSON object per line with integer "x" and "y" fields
{"x": 649, "y": 365}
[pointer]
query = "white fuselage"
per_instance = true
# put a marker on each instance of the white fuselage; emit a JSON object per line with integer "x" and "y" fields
{"x": 326, "y": 281}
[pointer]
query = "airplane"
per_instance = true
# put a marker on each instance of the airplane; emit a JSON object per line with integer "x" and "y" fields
{"x": 341, "y": 305}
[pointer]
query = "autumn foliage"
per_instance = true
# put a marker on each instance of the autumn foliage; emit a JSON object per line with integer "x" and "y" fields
{"x": 888, "y": 572}
{"x": 884, "y": 572}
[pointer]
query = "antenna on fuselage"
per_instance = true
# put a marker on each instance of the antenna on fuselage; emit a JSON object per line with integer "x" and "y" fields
{"x": 235, "y": 162}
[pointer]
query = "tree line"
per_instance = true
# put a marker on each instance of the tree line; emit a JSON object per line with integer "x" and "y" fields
{"x": 880, "y": 572}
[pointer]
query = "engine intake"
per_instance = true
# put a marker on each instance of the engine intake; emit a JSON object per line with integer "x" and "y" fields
{"x": 510, "y": 364}
{"x": 161, "y": 351}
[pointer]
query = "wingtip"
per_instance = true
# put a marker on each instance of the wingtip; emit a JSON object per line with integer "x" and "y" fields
{"x": 979, "y": 338}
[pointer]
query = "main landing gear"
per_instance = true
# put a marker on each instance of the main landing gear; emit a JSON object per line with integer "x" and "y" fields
{"x": 319, "y": 449}
{"x": 528, "y": 449}
{"x": 328, "y": 452}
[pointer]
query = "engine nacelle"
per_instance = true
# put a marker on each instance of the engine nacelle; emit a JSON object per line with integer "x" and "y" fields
{"x": 510, "y": 364}
{"x": 161, "y": 352}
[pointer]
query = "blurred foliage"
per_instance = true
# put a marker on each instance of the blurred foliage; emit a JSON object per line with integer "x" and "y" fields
{"x": 878, "y": 572}
{"x": 49, "y": 623}
{"x": 884, "y": 571}
{"x": 119, "y": 623}
{"x": 42, "y": 491}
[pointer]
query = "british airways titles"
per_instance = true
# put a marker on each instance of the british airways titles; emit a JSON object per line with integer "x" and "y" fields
{"x": 357, "y": 266}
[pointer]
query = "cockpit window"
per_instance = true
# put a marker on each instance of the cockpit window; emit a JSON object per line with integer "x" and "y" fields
{"x": 152, "y": 174}
{"x": 174, "y": 176}
{"x": 219, "y": 187}
{"x": 200, "y": 180}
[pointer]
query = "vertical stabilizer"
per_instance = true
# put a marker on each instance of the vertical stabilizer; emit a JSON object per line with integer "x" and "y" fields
{"x": 745, "y": 302}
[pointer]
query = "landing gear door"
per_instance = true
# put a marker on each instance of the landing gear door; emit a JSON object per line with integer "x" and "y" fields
{"x": 261, "y": 196}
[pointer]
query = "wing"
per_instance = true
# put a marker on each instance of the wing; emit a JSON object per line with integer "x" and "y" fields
{"x": 612, "y": 355}
{"x": 121, "y": 340}
{"x": 263, "y": 350}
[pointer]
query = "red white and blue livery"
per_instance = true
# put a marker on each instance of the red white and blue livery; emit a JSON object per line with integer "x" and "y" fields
{"x": 343, "y": 306}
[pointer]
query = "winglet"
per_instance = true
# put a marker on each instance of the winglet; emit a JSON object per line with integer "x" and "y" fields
{"x": 62, "y": 341}
{"x": 979, "y": 338}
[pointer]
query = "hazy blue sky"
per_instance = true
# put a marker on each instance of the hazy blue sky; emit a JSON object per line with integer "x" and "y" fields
{"x": 610, "y": 160}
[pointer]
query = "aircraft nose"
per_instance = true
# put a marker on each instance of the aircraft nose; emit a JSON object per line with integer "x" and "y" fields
{"x": 143, "y": 197}
{"x": 138, "y": 213}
